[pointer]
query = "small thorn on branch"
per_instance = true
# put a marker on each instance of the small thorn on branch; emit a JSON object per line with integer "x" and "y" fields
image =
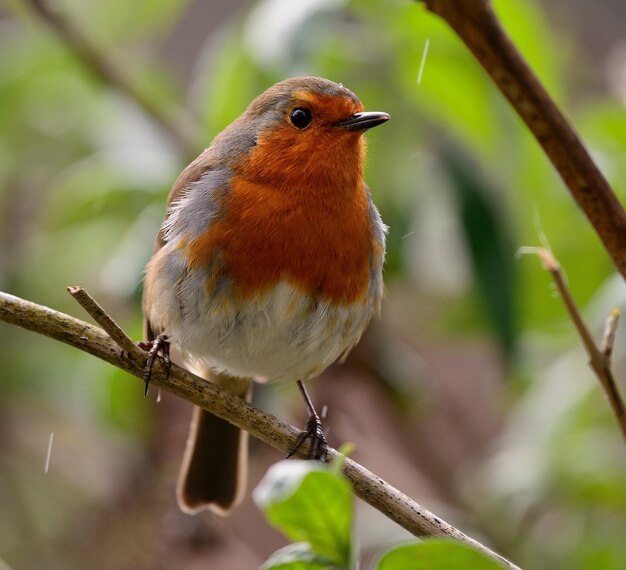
{"x": 610, "y": 328}
{"x": 544, "y": 254}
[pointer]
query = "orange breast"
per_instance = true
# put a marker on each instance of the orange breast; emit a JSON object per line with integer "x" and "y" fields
{"x": 319, "y": 240}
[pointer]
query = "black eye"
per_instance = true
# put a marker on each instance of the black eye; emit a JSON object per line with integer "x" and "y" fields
{"x": 300, "y": 117}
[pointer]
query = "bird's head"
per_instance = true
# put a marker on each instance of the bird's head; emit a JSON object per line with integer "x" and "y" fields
{"x": 305, "y": 128}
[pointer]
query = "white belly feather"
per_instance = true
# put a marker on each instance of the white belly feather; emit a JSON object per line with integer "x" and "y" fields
{"x": 280, "y": 335}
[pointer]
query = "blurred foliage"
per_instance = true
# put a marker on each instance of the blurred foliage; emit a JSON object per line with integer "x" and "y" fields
{"x": 459, "y": 180}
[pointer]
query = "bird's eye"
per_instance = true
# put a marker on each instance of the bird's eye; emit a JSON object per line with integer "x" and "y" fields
{"x": 300, "y": 117}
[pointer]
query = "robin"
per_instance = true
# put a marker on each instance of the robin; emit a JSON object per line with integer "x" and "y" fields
{"x": 268, "y": 266}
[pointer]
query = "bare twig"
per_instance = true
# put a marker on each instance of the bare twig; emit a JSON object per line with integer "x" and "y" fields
{"x": 90, "y": 305}
{"x": 599, "y": 359}
{"x": 174, "y": 122}
{"x": 477, "y": 25}
{"x": 372, "y": 489}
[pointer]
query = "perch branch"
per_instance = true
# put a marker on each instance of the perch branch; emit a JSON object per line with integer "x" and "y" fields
{"x": 477, "y": 25}
{"x": 599, "y": 358}
{"x": 174, "y": 122}
{"x": 372, "y": 489}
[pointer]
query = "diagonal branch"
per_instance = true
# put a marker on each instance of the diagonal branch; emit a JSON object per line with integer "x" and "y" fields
{"x": 372, "y": 489}
{"x": 174, "y": 122}
{"x": 477, "y": 25}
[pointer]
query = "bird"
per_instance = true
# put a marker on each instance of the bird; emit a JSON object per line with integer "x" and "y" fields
{"x": 267, "y": 267}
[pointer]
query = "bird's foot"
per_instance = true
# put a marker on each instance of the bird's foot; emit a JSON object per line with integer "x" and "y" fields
{"x": 159, "y": 344}
{"x": 313, "y": 431}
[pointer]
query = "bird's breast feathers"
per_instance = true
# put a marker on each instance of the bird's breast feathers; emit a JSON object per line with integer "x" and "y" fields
{"x": 259, "y": 281}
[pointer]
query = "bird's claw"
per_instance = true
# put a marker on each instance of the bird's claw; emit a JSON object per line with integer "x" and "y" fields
{"x": 313, "y": 431}
{"x": 159, "y": 344}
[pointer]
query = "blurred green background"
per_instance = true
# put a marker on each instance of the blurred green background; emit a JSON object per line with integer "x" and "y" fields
{"x": 471, "y": 393}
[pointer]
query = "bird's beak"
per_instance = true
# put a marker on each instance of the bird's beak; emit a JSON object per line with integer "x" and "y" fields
{"x": 363, "y": 121}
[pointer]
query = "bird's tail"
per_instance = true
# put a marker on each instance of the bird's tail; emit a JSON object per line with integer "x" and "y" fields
{"x": 214, "y": 470}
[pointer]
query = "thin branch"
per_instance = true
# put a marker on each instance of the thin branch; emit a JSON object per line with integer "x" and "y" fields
{"x": 174, "y": 122}
{"x": 372, "y": 489}
{"x": 599, "y": 359}
{"x": 477, "y": 25}
{"x": 116, "y": 333}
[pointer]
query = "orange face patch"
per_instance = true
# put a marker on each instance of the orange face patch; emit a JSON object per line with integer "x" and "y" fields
{"x": 322, "y": 153}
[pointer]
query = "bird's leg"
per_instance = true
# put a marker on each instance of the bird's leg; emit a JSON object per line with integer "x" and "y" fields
{"x": 159, "y": 344}
{"x": 312, "y": 430}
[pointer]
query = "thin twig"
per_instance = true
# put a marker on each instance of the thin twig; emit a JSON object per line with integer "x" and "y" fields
{"x": 477, "y": 25}
{"x": 599, "y": 359}
{"x": 90, "y": 305}
{"x": 372, "y": 489}
{"x": 174, "y": 122}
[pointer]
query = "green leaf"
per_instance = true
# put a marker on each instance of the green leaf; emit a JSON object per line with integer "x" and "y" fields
{"x": 436, "y": 555}
{"x": 309, "y": 502}
{"x": 298, "y": 556}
